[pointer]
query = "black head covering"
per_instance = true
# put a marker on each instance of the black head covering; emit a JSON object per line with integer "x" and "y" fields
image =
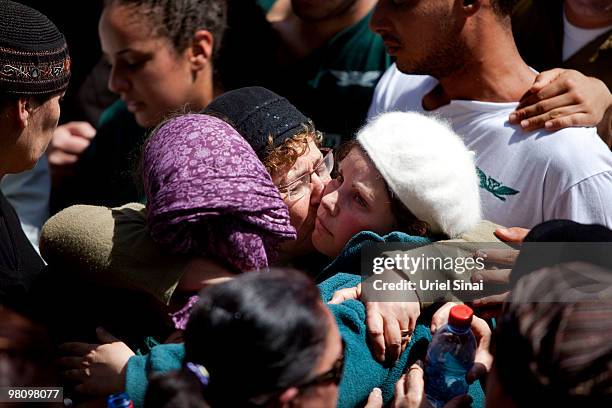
{"x": 258, "y": 114}
{"x": 33, "y": 53}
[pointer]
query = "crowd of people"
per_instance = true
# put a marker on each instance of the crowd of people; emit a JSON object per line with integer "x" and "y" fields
{"x": 192, "y": 233}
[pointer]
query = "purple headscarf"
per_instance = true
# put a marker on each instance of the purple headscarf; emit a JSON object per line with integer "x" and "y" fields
{"x": 208, "y": 194}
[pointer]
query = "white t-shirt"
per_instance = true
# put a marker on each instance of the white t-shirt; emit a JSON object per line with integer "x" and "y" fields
{"x": 525, "y": 177}
{"x": 574, "y": 38}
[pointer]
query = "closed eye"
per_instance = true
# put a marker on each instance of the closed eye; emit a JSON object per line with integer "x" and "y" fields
{"x": 360, "y": 201}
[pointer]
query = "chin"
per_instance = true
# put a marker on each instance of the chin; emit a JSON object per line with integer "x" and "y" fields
{"x": 144, "y": 120}
{"x": 324, "y": 247}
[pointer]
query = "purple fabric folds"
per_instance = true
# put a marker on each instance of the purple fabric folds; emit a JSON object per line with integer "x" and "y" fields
{"x": 209, "y": 195}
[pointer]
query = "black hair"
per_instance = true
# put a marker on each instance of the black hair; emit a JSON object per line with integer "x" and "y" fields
{"x": 256, "y": 335}
{"x": 175, "y": 389}
{"x": 503, "y": 7}
{"x": 178, "y": 20}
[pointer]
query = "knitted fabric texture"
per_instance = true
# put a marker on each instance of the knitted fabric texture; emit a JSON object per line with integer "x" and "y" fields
{"x": 33, "y": 52}
{"x": 428, "y": 167}
{"x": 258, "y": 115}
{"x": 209, "y": 195}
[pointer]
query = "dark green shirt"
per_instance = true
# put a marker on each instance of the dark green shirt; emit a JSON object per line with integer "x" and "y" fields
{"x": 334, "y": 84}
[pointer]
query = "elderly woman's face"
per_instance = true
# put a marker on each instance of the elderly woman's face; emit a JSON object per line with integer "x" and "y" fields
{"x": 151, "y": 77}
{"x": 357, "y": 200}
{"x": 303, "y": 210}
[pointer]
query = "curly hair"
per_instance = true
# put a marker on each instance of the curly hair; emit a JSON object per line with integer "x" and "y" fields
{"x": 178, "y": 20}
{"x": 285, "y": 155}
{"x": 405, "y": 220}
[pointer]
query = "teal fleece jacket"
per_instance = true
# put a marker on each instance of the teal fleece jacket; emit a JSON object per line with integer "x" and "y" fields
{"x": 361, "y": 373}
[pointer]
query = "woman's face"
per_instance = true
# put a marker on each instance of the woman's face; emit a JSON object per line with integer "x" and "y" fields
{"x": 303, "y": 210}
{"x": 357, "y": 200}
{"x": 151, "y": 77}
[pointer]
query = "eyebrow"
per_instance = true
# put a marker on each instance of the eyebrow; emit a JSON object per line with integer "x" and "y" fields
{"x": 304, "y": 171}
{"x": 369, "y": 197}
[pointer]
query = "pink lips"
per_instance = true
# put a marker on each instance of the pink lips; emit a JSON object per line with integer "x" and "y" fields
{"x": 392, "y": 44}
{"x": 133, "y": 106}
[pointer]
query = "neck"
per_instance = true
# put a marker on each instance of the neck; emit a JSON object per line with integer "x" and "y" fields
{"x": 206, "y": 90}
{"x": 494, "y": 71}
{"x": 304, "y": 36}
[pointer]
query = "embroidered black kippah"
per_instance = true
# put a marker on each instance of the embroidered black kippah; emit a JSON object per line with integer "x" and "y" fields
{"x": 258, "y": 114}
{"x": 34, "y": 56}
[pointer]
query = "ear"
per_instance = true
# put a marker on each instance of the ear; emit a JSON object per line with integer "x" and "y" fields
{"x": 23, "y": 111}
{"x": 288, "y": 395}
{"x": 201, "y": 50}
{"x": 471, "y": 6}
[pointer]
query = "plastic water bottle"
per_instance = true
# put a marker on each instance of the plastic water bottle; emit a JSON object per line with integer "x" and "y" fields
{"x": 120, "y": 400}
{"x": 449, "y": 357}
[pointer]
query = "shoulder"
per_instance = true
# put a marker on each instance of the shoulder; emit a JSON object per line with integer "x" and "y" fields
{"x": 114, "y": 112}
{"x": 399, "y": 91}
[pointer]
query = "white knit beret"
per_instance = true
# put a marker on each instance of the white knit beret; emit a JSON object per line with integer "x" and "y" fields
{"x": 427, "y": 166}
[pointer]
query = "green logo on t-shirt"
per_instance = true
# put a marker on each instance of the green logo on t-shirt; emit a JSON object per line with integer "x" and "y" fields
{"x": 494, "y": 187}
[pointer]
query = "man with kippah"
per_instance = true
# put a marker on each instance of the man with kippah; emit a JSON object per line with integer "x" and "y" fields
{"x": 34, "y": 74}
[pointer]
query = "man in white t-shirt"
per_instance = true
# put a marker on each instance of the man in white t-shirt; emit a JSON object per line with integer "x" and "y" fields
{"x": 470, "y": 73}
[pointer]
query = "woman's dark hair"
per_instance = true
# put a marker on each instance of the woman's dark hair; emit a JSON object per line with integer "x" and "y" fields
{"x": 175, "y": 389}
{"x": 405, "y": 220}
{"x": 178, "y": 20}
{"x": 256, "y": 335}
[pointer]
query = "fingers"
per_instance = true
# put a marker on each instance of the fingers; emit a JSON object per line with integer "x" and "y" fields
{"x": 393, "y": 339}
{"x": 73, "y": 362}
{"x": 512, "y": 234}
{"x": 400, "y": 388}
{"x": 483, "y": 359}
{"x": 560, "y": 114}
{"x": 535, "y": 105}
{"x": 492, "y": 300}
{"x": 498, "y": 256}
{"x": 77, "y": 349}
{"x": 375, "y": 399}
{"x": 495, "y": 276}
{"x": 375, "y": 324}
{"x": 545, "y": 78}
{"x": 82, "y": 129}
{"x": 104, "y": 336}
{"x": 77, "y": 374}
{"x": 415, "y": 385}
{"x": 344, "y": 294}
{"x": 576, "y": 119}
{"x": 440, "y": 318}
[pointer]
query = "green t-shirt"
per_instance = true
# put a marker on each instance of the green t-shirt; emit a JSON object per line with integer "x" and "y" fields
{"x": 334, "y": 84}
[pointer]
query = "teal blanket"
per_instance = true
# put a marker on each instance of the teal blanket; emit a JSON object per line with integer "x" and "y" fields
{"x": 362, "y": 373}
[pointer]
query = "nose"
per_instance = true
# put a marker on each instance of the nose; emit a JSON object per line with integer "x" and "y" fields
{"x": 318, "y": 185}
{"x": 329, "y": 201}
{"x": 379, "y": 22}
{"x": 117, "y": 82}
